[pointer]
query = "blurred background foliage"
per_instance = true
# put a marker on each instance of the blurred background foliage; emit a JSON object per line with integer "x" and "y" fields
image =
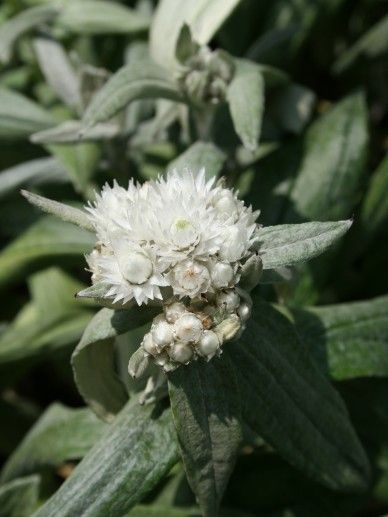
{"x": 322, "y": 156}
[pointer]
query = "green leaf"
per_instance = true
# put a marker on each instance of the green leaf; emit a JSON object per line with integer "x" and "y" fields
{"x": 245, "y": 96}
{"x": 292, "y": 107}
{"x": 17, "y": 415}
{"x": 288, "y": 244}
{"x": 204, "y": 18}
{"x": 156, "y": 510}
{"x": 200, "y": 155}
{"x": 60, "y": 434}
{"x": 347, "y": 340}
{"x": 205, "y": 402}
{"x": 46, "y": 239}
{"x": 137, "y": 80}
{"x": 275, "y": 276}
{"x": 19, "y": 498}
{"x": 58, "y": 71}
{"x": 37, "y": 330}
{"x": 80, "y": 161}
{"x": 372, "y": 44}
{"x": 14, "y": 28}
{"x": 65, "y": 212}
{"x": 138, "y": 363}
{"x": 93, "y": 359}
{"x": 69, "y": 133}
{"x": 186, "y": 47}
{"x": 19, "y": 116}
{"x": 289, "y": 403}
{"x": 328, "y": 188}
{"x": 34, "y": 172}
{"x": 136, "y": 451}
{"x": 374, "y": 211}
{"x": 101, "y": 17}
{"x": 96, "y": 291}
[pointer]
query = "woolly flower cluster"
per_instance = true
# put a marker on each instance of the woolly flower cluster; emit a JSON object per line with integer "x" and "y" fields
{"x": 182, "y": 241}
{"x": 180, "y": 236}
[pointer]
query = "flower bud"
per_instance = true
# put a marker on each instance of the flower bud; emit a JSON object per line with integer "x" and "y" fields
{"x": 221, "y": 274}
{"x": 174, "y": 311}
{"x": 149, "y": 346}
{"x": 228, "y": 328}
{"x": 244, "y": 311}
{"x": 208, "y": 344}
{"x": 251, "y": 272}
{"x": 228, "y": 300}
{"x": 181, "y": 353}
{"x": 188, "y": 328}
{"x": 226, "y": 206}
{"x": 162, "y": 334}
{"x": 232, "y": 249}
{"x": 136, "y": 268}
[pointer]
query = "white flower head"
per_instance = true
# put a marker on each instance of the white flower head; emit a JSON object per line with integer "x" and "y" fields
{"x": 181, "y": 232}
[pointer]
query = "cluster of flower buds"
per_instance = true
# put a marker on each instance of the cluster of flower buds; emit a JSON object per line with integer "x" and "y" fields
{"x": 183, "y": 333}
{"x": 206, "y": 76}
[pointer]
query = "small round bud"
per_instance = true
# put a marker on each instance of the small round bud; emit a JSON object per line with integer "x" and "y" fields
{"x": 148, "y": 345}
{"x": 181, "y": 353}
{"x": 228, "y": 300}
{"x": 174, "y": 311}
{"x": 188, "y": 328}
{"x": 244, "y": 311}
{"x": 162, "y": 334}
{"x": 137, "y": 268}
{"x": 234, "y": 244}
{"x": 208, "y": 344}
{"x": 229, "y": 328}
{"x": 226, "y": 205}
{"x": 221, "y": 274}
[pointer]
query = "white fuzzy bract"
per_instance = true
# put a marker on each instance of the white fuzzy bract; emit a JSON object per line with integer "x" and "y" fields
{"x": 180, "y": 235}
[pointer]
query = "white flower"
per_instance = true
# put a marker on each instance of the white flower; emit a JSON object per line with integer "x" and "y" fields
{"x": 181, "y": 232}
{"x": 189, "y": 278}
{"x": 130, "y": 271}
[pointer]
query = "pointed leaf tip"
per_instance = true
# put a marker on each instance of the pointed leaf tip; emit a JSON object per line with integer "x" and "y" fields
{"x": 65, "y": 212}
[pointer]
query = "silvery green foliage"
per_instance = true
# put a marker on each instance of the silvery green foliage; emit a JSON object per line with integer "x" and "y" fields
{"x": 187, "y": 174}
